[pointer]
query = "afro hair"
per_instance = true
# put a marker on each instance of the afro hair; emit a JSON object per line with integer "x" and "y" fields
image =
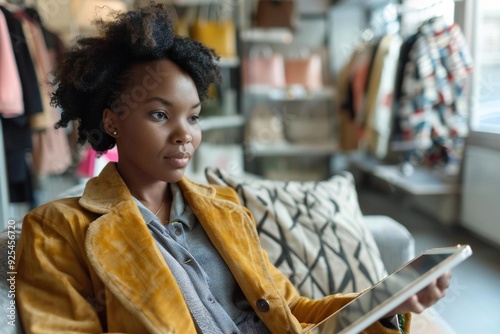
{"x": 94, "y": 72}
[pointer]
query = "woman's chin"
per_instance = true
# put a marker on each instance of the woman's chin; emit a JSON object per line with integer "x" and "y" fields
{"x": 175, "y": 175}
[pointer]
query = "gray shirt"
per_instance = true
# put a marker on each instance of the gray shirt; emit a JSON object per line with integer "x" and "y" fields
{"x": 214, "y": 299}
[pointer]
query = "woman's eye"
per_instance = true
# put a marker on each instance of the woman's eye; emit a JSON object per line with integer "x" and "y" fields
{"x": 195, "y": 118}
{"x": 160, "y": 115}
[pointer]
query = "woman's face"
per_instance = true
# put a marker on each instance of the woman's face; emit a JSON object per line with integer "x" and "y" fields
{"x": 156, "y": 123}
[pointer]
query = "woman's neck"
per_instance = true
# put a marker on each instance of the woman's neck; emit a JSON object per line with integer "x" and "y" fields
{"x": 151, "y": 193}
{"x": 158, "y": 203}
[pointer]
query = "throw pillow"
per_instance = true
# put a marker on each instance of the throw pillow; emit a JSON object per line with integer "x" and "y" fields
{"x": 312, "y": 231}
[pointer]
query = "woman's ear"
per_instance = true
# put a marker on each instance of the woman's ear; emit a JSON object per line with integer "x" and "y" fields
{"x": 109, "y": 119}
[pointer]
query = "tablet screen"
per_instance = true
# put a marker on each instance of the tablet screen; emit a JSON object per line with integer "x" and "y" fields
{"x": 386, "y": 290}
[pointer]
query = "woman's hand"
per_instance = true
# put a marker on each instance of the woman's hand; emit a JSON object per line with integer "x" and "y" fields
{"x": 427, "y": 297}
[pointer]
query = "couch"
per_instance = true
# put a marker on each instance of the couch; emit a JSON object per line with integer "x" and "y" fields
{"x": 359, "y": 249}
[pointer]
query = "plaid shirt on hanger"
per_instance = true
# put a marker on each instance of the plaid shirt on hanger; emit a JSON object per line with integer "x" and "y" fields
{"x": 433, "y": 111}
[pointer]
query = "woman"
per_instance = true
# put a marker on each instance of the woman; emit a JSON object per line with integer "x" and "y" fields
{"x": 145, "y": 250}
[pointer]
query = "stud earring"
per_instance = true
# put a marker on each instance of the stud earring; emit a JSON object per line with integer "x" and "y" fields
{"x": 115, "y": 133}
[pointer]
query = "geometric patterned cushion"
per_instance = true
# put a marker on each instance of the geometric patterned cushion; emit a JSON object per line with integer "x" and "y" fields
{"x": 312, "y": 231}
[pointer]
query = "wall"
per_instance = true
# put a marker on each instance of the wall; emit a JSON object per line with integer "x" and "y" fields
{"x": 480, "y": 199}
{"x": 56, "y": 16}
{"x": 345, "y": 26}
{"x": 70, "y": 18}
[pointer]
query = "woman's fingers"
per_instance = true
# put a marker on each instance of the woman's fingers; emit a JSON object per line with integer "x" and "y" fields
{"x": 430, "y": 295}
{"x": 427, "y": 297}
{"x": 414, "y": 304}
{"x": 443, "y": 282}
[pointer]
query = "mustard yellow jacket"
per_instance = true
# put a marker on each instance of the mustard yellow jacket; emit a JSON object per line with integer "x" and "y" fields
{"x": 90, "y": 265}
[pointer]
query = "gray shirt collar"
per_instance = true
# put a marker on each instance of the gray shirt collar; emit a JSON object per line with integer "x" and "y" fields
{"x": 180, "y": 211}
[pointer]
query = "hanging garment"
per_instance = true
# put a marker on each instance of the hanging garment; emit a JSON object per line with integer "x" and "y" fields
{"x": 360, "y": 76}
{"x": 404, "y": 58}
{"x": 347, "y": 126}
{"x": 433, "y": 111}
{"x": 51, "y": 152}
{"x": 29, "y": 81}
{"x": 17, "y": 131}
{"x": 352, "y": 86}
{"x": 380, "y": 95}
{"x": 11, "y": 96}
{"x": 91, "y": 164}
{"x": 39, "y": 53}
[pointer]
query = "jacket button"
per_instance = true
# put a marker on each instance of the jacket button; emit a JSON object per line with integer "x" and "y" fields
{"x": 263, "y": 305}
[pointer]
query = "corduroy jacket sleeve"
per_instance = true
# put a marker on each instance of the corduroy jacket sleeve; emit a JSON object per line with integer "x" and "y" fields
{"x": 54, "y": 287}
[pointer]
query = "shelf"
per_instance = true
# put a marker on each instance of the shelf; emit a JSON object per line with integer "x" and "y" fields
{"x": 229, "y": 62}
{"x": 221, "y": 122}
{"x": 491, "y": 13}
{"x": 403, "y": 145}
{"x": 489, "y": 59}
{"x": 365, "y": 3}
{"x": 421, "y": 182}
{"x": 267, "y": 35}
{"x": 291, "y": 94}
{"x": 292, "y": 149}
{"x": 189, "y": 2}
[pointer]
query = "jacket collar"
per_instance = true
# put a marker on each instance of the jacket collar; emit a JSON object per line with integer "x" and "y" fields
{"x": 107, "y": 191}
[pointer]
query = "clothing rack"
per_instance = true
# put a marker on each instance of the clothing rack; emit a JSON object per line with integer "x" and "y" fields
{"x": 4, "y": 190}
{"x": 21, "y": 2}
{"x": 413, "y": 13}
{"x": 402, "y": 8}
{"x": 7, "y": 210}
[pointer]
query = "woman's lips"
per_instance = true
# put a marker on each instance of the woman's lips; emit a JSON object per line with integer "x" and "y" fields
{"x": 180, "y": 155}
{"x": 179, "y": 160}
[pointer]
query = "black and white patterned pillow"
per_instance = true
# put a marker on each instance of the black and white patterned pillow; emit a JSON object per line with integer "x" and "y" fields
{"x": 312, "y": 231}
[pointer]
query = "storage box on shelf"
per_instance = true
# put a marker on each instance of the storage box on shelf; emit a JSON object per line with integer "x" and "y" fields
{"x": 284, "y": 134}
{"x": 299, "y": 125}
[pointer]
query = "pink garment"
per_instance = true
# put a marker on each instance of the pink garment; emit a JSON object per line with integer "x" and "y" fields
{"x": 51, "y": 153}
{"x": 91, "y": 165}
{"x": 11, "y": 93}
{"x": 41, "y": 61}
{"x": 87, "y": 164}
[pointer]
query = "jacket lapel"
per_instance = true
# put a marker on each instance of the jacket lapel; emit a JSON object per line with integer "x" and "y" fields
{"x": 126, "y": 258}
{"x": 241, "y": 251}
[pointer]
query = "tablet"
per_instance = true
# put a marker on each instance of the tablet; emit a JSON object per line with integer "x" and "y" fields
{"x": 375, "y": 302}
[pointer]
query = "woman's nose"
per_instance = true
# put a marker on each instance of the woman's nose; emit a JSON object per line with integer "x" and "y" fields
{"x": 182, "y": 134}
{"x": 185, "y": 139}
